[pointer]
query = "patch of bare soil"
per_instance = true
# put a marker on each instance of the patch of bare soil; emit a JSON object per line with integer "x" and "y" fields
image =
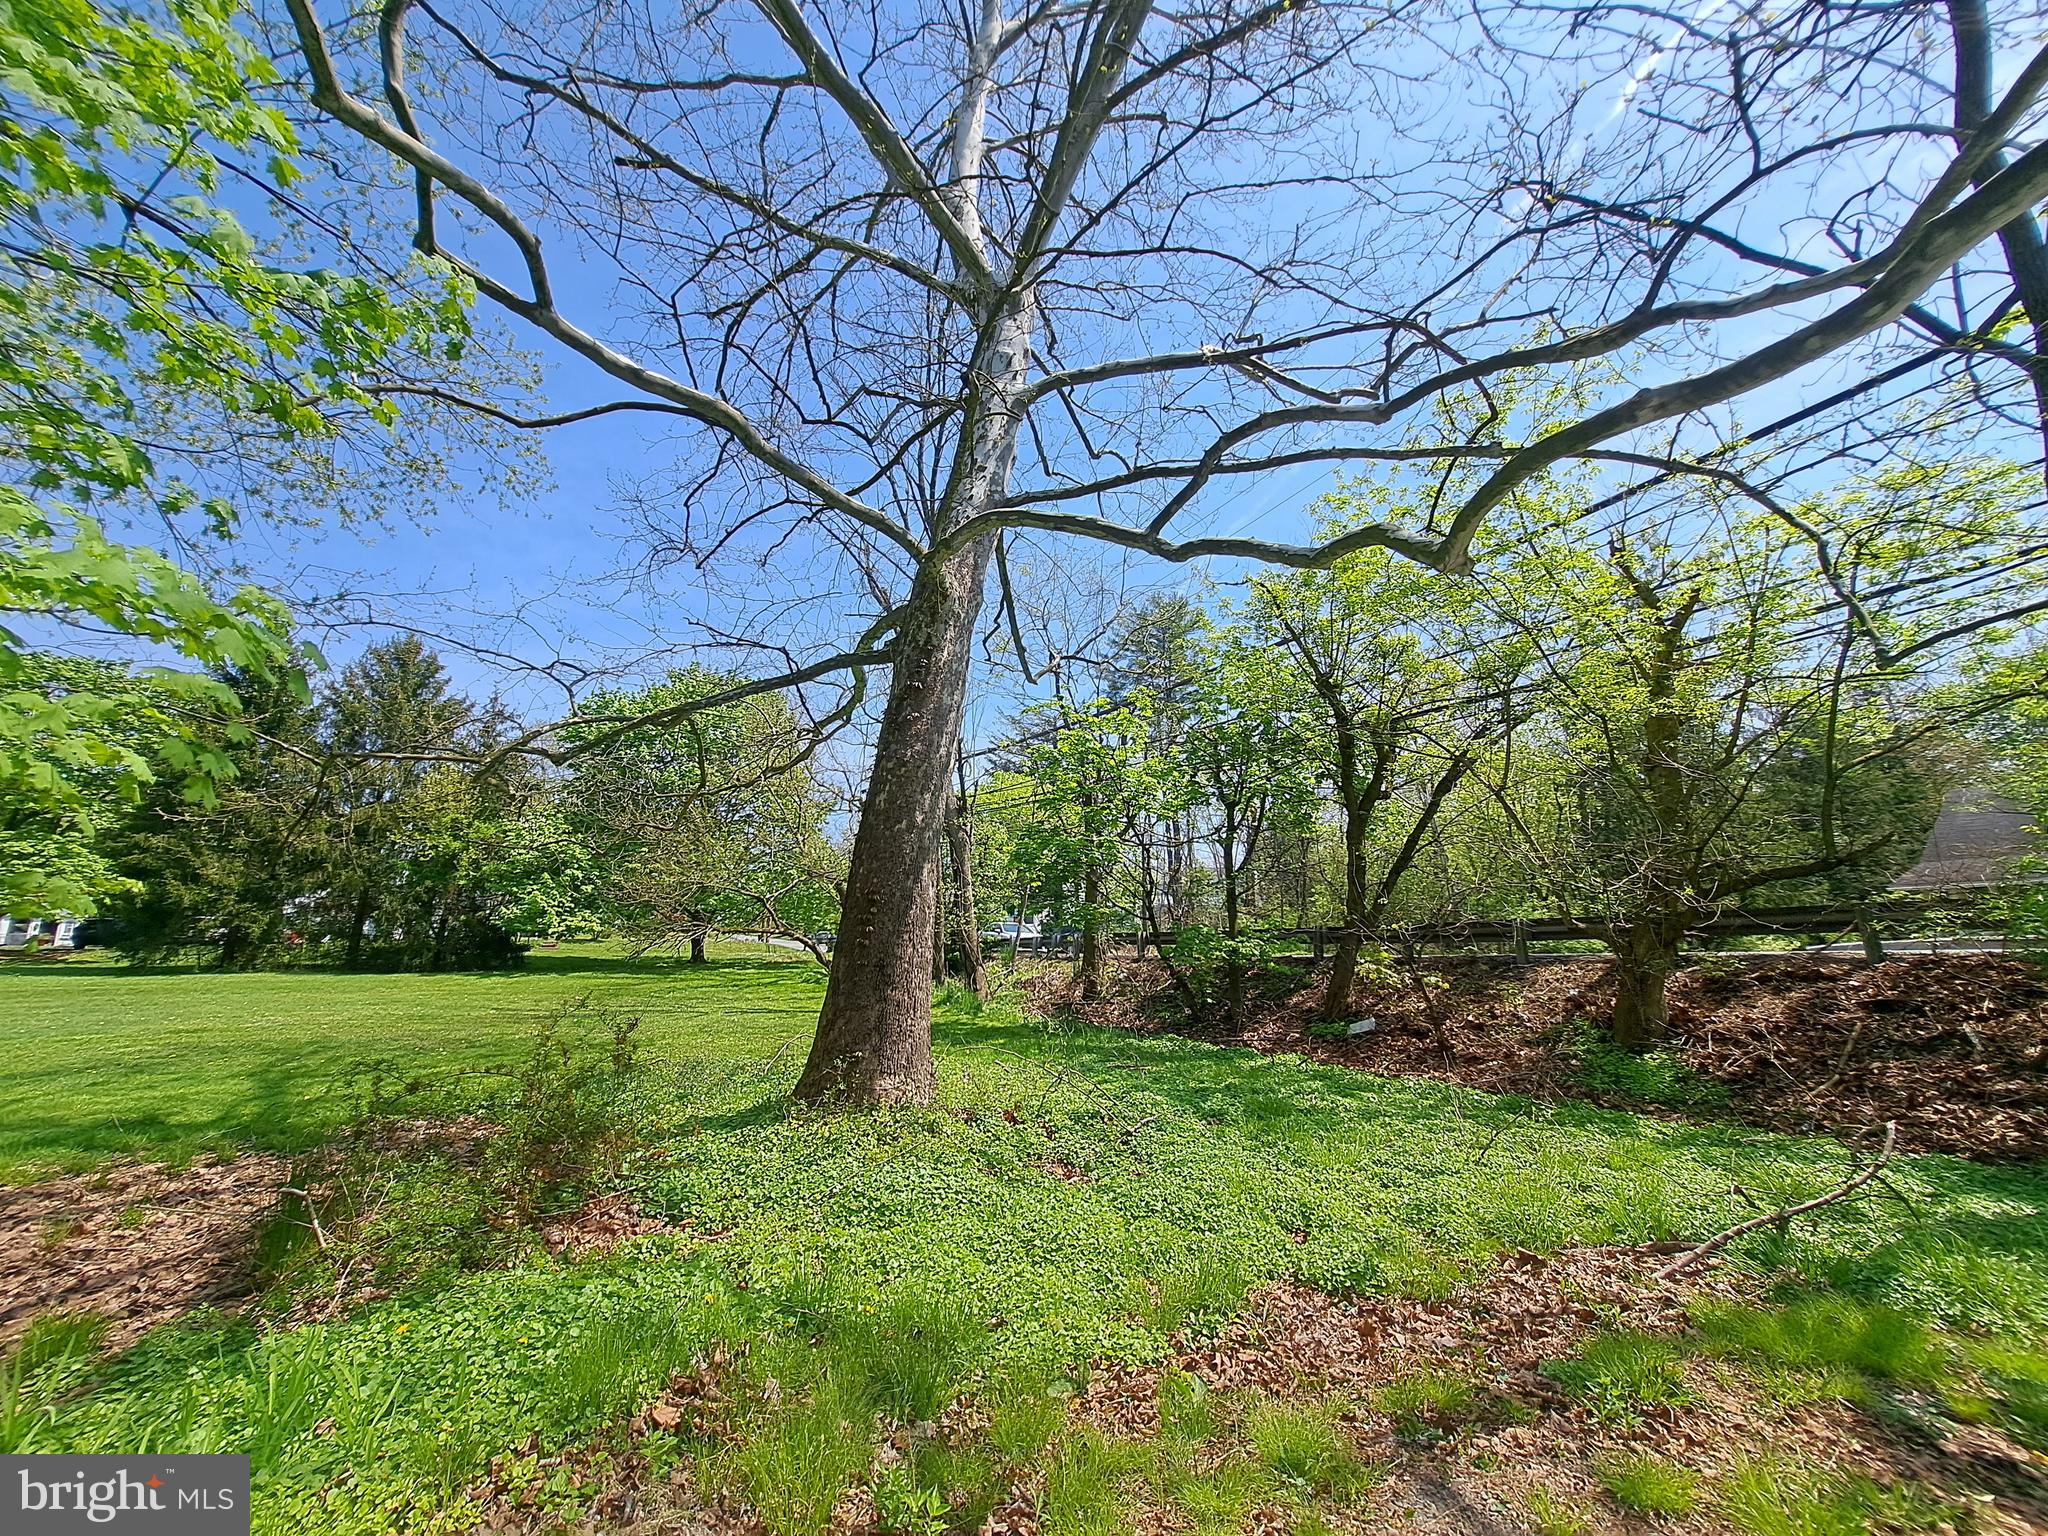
{"x": 1954, "y": 1048}
{"x": 135, "y": 1244}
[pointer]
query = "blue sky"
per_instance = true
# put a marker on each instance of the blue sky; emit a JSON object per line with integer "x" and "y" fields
{"x": 469, "y": 559}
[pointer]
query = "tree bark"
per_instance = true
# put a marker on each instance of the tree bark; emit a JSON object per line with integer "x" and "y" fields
{"x": 1360, "y": 794}
{"x": 359, "y": 920}
{"x": 697, "y": 947}
{"x": 939, "y": 967}
{"x": 1234, "y": 964}
{"x": 1645, "y": 958}
{"x": 1147, "y": 896}
{"x": 1357, "y": 898}
{"x": 2026, "y": 253}
{"x": 966, "y": 922}
{"x": 874, "y": 1041}
{"x": 1645, "y": 944}
{"x": 1091, "y": 932}
{"x": 1343, "y": 975}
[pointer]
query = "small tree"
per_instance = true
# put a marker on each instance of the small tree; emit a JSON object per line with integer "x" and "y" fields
{"x": 714, "y": 822}
{"x": 965, "y": 908}
{"x": 1712, "y": 726}
{"x": 1091, "y": 780}
{"x": 1402, "y": 688}
{"x": 1249, "y": 754}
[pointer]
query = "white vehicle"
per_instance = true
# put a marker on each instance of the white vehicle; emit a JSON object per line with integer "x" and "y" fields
{"x": 1025, "y": 937}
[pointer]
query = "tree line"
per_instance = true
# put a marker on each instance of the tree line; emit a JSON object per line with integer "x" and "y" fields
{"x": 1638, "y": 731}
{"x": 372, "y": 824}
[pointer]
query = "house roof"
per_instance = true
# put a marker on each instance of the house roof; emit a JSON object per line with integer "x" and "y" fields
{"x": 1977, "y": 840}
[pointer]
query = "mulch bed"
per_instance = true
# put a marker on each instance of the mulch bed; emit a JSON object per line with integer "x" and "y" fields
{"x": 135, "y": 1244}
{"x": 1951, "y": 1047}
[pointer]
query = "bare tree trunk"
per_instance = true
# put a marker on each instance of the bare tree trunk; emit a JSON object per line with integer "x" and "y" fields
{"x": 1091, "y": 933}
{"x": 1234, "y": 965}
{"x": 1359, "y": 802}
{"x": 874, "y": 1042}
{"x": 1147, "y": 897}
{"x": 1357, "y": 899}
{"x": 1645, "y": 958}
{"x": 1176, "y": 873}
{"x": 2026, "y": 254}
{"x": 1343, "y": 975}
{"x": 1646, "y": 945}
{"x": 960, "y": 845}
{"x": 359, "y": 922}
{"x": 939, "y": 968}
{"x": 1365, "y": 908}
{"x": 697, "y": 947}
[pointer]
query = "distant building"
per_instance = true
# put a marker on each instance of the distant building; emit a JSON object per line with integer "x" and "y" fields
{"x": 47, "y": 932}
{"x": 1978, "y": 840}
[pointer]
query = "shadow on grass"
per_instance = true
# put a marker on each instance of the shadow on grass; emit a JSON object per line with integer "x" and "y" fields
{"x": 272, "y": 1109}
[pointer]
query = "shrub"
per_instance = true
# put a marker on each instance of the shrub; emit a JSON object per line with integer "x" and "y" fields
{"x": 563, "y": 1118}
{"x": 906, "y": 1507}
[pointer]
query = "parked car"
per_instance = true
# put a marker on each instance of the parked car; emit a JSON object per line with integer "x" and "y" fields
{"x": 1025, "y": 937}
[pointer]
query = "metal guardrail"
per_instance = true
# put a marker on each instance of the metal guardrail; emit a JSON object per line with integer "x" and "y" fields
{"x": 1864, "y": 920}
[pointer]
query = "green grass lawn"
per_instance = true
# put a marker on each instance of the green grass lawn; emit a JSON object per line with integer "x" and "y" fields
{"x": 1073, "y": 1196}
{"x": 99, "y": 1061}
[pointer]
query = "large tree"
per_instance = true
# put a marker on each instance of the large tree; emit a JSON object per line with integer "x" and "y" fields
{"x": 925, "y": 280}
{"x": 385, "y": 717}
